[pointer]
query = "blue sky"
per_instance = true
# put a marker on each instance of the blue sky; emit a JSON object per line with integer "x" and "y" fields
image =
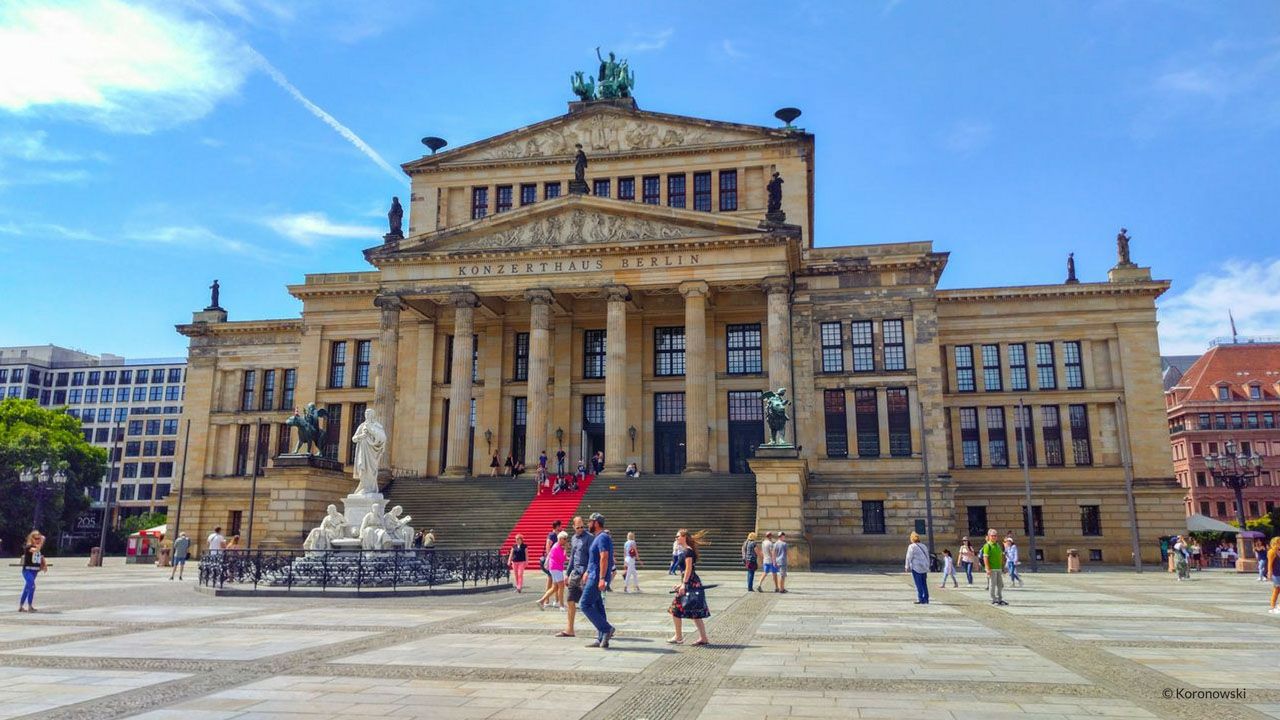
{"x": 149, "y": 147}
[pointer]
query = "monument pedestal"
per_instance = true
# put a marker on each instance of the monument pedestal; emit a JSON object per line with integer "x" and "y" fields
{"x": 781, "y": 475}
{"x": 298, "y": 489}
{"x": 356, "y": 506}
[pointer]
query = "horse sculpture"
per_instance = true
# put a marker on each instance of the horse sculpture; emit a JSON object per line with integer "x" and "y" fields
{"x": 307, "y": 421}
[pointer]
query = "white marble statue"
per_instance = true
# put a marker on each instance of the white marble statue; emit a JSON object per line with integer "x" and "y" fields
{"x": 333, "y": 527}
{"x": 373, "y": 533}
{"x": 398, "y": 529}
{"x": 370, "y": 441}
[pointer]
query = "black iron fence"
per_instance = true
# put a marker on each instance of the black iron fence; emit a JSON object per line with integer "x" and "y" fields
{"x": 370, "y": 569}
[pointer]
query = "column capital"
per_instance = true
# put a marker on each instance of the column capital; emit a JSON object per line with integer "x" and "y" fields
{"x": 539, "y": 296}
{"x": 464, "y": 299}
{"x": 776, "y": 284}
{"x": 389, "y": 303}
{"x": 694, "y": 288}
{"x": 617, "y": 293}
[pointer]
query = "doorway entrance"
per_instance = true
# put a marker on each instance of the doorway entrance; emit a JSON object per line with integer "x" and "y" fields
{"x": 746, "y": 428}
{"x": 668, "y": 433}
{"x": 592, "y": 428}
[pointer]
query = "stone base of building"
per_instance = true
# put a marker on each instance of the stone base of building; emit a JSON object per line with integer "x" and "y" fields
{"x": 781, "y": 477}
{"x": 297, "y": 492}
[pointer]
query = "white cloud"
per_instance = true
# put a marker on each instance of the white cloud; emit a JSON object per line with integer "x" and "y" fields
{"x": 41, "y": 176}
{"x": 644, "y": 42}
{"x": 967, "y": 136}
{"x": 310, "y": 228}
{"x": 731, "y": 50}
{"x": 31, "y": 147}
{"x": 127, "y": 67}
{"x": 1195, "y": 315}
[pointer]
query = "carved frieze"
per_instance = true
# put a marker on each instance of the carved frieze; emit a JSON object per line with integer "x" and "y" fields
{"x": 604, "y": 133}
{"x": 578, "y": 227}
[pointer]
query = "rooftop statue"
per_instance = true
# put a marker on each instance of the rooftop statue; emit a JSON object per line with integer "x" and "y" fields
{"x": 395, "y": 218}
{"x": 1122, "y": 248}
{"x": 584, "y": 88}
{"x": 614, "y": 80}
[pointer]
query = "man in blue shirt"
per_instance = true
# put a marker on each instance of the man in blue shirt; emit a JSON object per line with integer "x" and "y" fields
{"x": 592, "y": 602}
{"x": 576, "y": 572}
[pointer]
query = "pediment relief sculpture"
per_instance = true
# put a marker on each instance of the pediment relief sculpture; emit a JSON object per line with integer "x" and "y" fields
{"x": 578, "y": 227}
{"x": 605, "y": 133}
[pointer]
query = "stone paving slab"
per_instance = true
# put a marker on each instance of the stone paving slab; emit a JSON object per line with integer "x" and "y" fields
{"x": 197, "y": 643}
{"x": 768, "y": 705}
{"x": 892, "y": 660}
{"x": 1044, "y": 606}
{"x": 901, "y": 605}
{"x": 25, "y": 691}
{"x": 787, "y": 623}
{"x": 147, "y": 613}
{"x": 339, "y": 616}
{"x": 1207, "y": 667}
{"x": 512, "y": 652}
{"x": 1174, "y": 631}
{"x": 13, "y": 631}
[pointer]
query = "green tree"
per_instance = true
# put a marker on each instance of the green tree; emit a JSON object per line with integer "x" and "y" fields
{"x": 29, "y": 435}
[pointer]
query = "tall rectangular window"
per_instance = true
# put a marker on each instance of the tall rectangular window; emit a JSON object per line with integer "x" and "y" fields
{"x": 1090, "y": 520}
{"x": 997, "y": 443}
{"x": 873, "y": 517}
{"x": 728, "y": 190}
{"x": 521, "y": 369}
{"x": 866, "y": 415}
{"x": 283, "y": 444}
{"x": 528, "y": 194}
{"x": 263, "y": 452}
{"x": 627, "y": 188}
{"x": 898, "y": 407}
{"x": 242, "y": 449}
{"x": 970, "y": 438}
{"x": 1046, "y": 374}
{"x": 332, "y": 432}
{"x": 1072, "y": 365}
{"x": 836, "y": 423}
{"x": 175, "y": 375}
{"x": 364, "y": 355}
{"x": 338, "y": 364}
{"x": 977, "y": 517}
{"x": 744, "y": 349}
{"x": 832, "y": 348}
{"x": 1080, "y": 446}
{"x": 126, "y": 376}
{"x": 1037, "y": 517}
{"x": 1018, "y": 367}
{"x": 1051, "y": 424}
{"x": 600, "y": 187}
{"x": 594, "y": 348}
{"x": 290, "y": 385}
{"x": 550, "y": 190}
{"x": 357, "y": 417}
{"x": 651, "y": 190}
{"x": 702, "y": 191}
{"x": 1023, "y": 434}
{"x": 675, "y": 190}
{"x": 479, "y": 202}
{"x": 249, "y": 390}
{"x": 864, "y": 349}
{"x": 95, "y": 377}
{"x": 668, "y": 351}
{"x": 895, "y": 346}
{"x": 519, "y": 424}
{"x": 448, "y": 359}
{"x": 991, "y": 368}
{"x": 268, "y": 389}
{"x": 964, "y": 368}
{"x": 503, "y": 197}
{"x": 77, "y": 378}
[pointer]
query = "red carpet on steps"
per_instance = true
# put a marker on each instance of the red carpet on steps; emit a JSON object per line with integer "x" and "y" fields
{"x": 535, "y": 523}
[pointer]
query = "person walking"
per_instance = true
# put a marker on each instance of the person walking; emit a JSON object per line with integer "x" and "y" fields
{"x": 917, "y": 563}
{"x": 750, "y": 558}
{"x": 966, "y": 558}
{"x": 510, "y": 466}
{"x": 770, "y": 567}
{"x": 518, "y": 560}
{"x": 592, "y": 603}
{"x": 1181, "y": 558}
{"x": 1273, "y": 573}
{"x": 579, "y": 555}
{"x": 215, "y": 543}
{"x": 630, "y": 559}
{"x": 560, "y": 462}
{"x": 1260, "y": 554}
{"x": 993, "y": 561}
{"x": 546, "y": 549}
{"x": 556, "y": 560}
{"x": 690, "y": 602}
{"x": 1011, "y": 557}
{"x": 33, "y": 563}
{"x": 493, "y": 466}
{"x": 181, "y": 548}
{"x": 780, "y": 549}
{"x": 949, "y": 568}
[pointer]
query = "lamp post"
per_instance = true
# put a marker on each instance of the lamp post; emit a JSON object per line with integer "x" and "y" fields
{"x": 488, "y": 439}
{"x": 42, "y": 484}
{"x": 1236, "y": 471}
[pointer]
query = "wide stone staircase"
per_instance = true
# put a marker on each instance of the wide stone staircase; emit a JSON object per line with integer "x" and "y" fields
{"x": 481, "y": 512}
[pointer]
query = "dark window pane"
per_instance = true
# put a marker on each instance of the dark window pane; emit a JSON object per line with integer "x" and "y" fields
{"x": 728, "y": 190}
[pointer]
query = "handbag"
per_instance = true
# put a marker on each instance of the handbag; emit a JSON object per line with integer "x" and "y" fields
{"x": 752, "y": 564}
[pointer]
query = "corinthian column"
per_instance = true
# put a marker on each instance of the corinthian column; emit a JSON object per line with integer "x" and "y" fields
{"x": 615, "y": 380}
{"x": 464, "y": 308}
{"x": 695, "y": 376}
{"x": 778, "y": 290}
{"x": 535, "y": 431}
{"x": 384, "y": 384}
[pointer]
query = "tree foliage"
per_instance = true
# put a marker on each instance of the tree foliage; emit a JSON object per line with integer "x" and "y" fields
{"x": 29, "y": 435}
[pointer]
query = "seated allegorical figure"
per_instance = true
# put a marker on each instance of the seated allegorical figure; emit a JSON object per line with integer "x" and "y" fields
{"x": 373, "y": 536}
{"x": 333, "y": 527}
{"x": 397, "y": 529}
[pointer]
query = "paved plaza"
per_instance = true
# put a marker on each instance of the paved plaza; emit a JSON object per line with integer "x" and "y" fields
{"x": 126, "y": 642}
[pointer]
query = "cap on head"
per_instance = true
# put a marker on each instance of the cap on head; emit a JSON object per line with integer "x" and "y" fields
{"x": 768, "y": 534}
{"x": 598, "y": 519}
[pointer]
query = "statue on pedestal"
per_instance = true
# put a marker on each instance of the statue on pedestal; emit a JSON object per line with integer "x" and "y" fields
{"x": 1071, "y": 269}
{"x": 371, "y": 441}
{"x": 774, "y": 213}
{"x": 578, "y": 185}
{"x": 307, "y": 422}
{"x": 775, "y": 412}
{"x": 395, "y": 218}
{"x": 1122, "y": 249}
{"x": 213, "y": 296}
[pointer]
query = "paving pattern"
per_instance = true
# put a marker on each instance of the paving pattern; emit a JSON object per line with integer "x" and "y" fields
{"x": 125, "y": 642}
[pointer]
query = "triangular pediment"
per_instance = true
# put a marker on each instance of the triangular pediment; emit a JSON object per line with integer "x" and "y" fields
{"x": 578, "y": 220}
{"x": 602, "y": 130}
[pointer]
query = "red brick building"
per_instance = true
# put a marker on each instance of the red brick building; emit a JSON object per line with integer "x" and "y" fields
{"x": 1231, "y": 393}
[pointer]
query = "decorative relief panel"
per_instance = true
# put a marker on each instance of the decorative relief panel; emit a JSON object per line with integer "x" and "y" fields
{"x": 579, "y": 227}
{"x": 606, "y": 133}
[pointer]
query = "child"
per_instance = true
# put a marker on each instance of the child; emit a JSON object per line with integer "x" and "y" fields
{"x": 949, "y": 569}
{"x": 631, "y": 558}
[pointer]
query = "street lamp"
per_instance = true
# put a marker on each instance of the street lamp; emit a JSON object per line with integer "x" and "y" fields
{"x": 1236, "y": 471}
{"x": 42, "y": 484}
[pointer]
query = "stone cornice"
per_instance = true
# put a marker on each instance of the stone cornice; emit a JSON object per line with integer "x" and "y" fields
{"x": 1152, "y": 289}
{"x": 241, "y": 327}
{"x": 709, "y": 243}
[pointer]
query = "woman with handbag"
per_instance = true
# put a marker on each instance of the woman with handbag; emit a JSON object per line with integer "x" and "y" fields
{"x": 691, "y": 598}
{"x": 751, "y": 559}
